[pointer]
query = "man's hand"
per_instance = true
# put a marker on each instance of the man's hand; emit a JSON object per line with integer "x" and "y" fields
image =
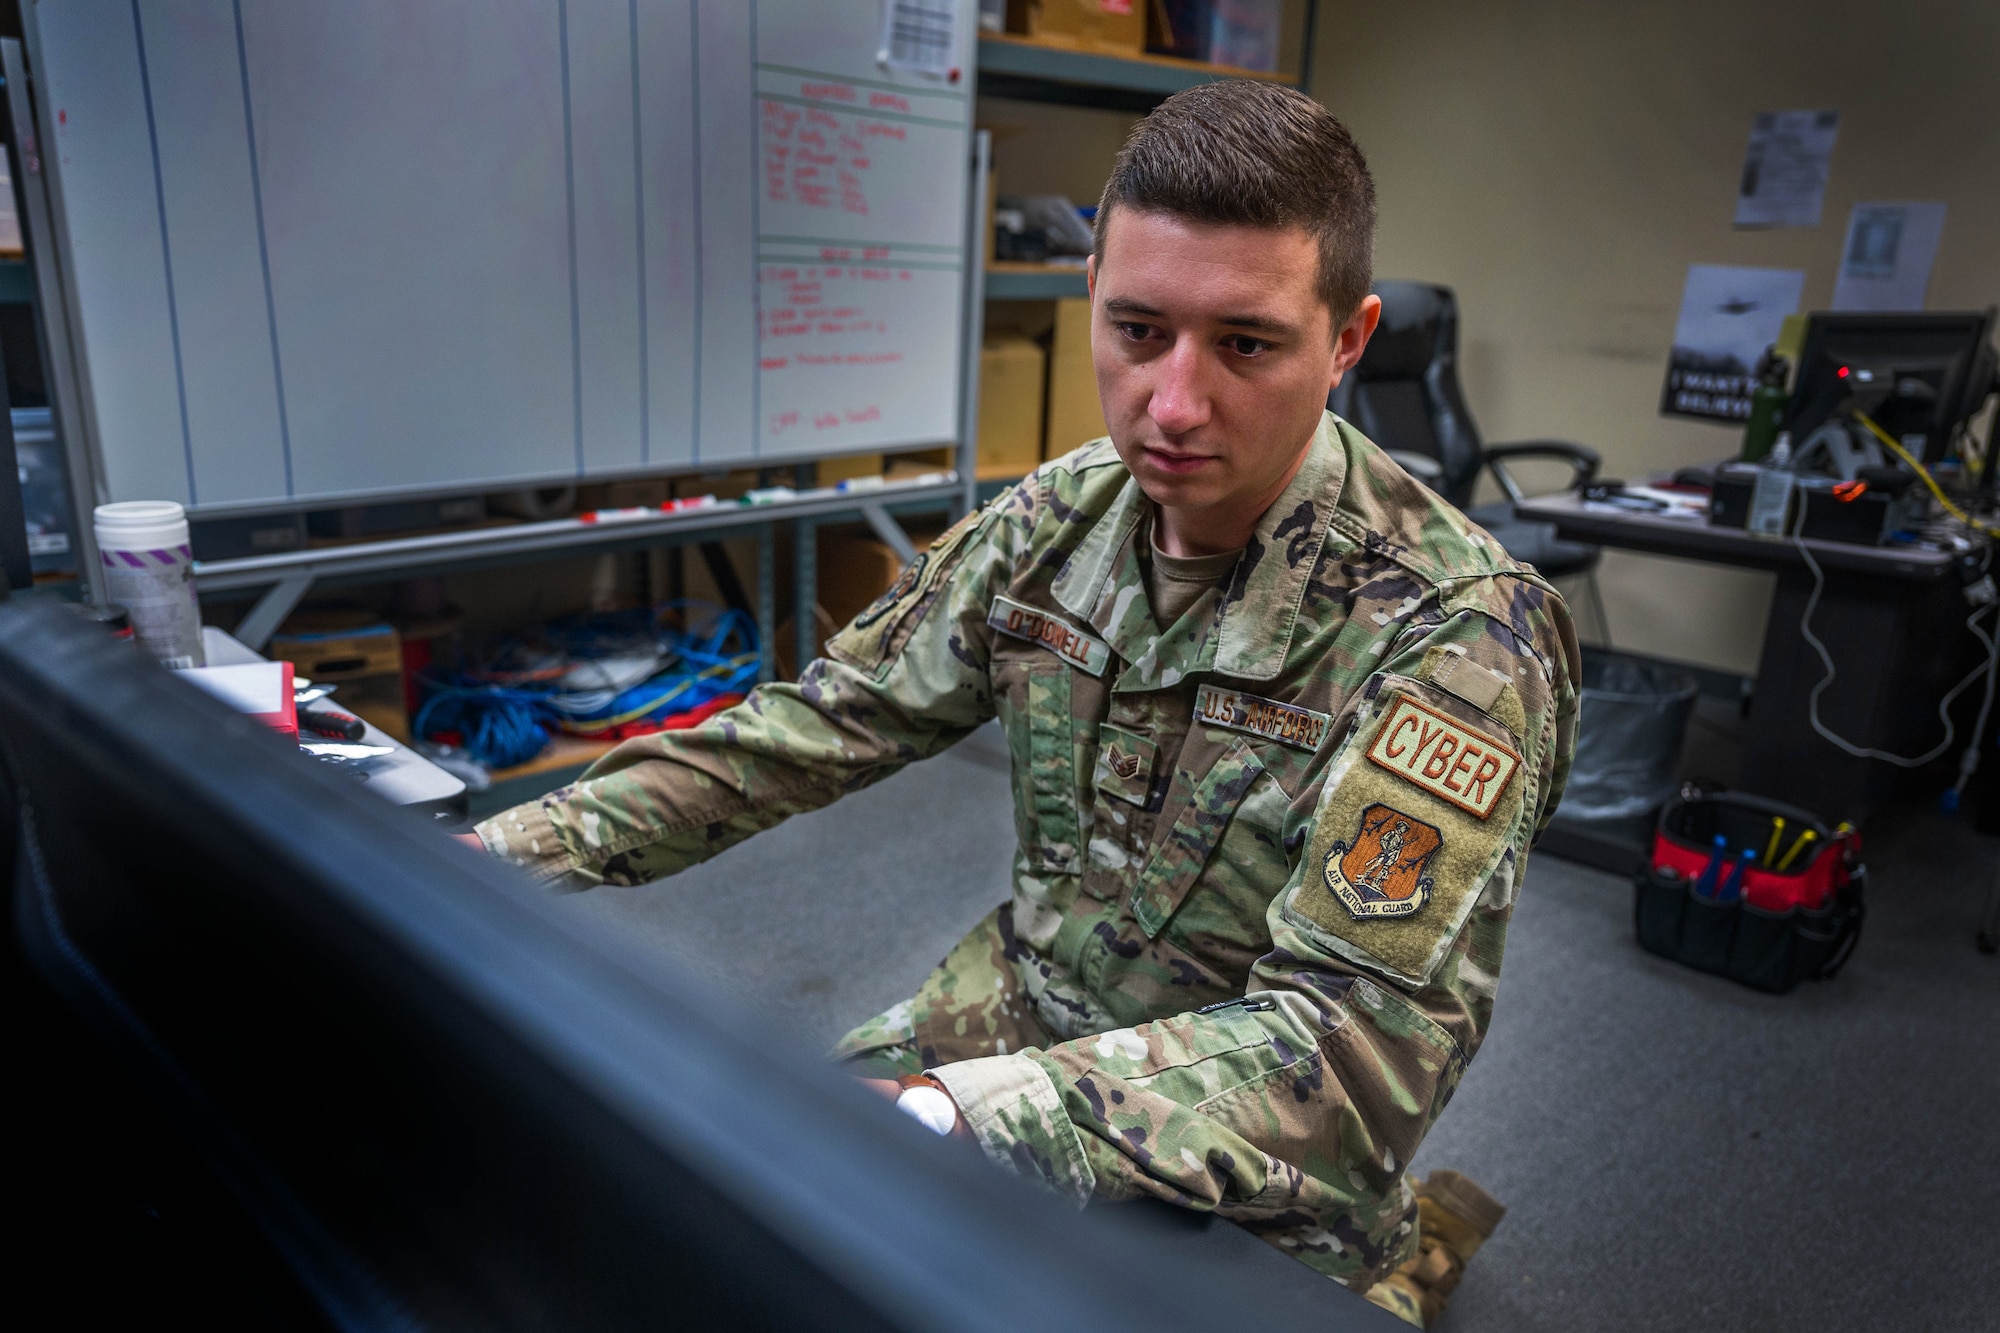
{"x": 893, "y": 1089}
{"x": 471, "y": 840}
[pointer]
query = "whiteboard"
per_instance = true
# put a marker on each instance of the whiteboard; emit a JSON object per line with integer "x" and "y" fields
{"x": 326, "y": 252}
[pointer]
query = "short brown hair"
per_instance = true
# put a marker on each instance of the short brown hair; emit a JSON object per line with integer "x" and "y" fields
{"x": 1249, "y": 154}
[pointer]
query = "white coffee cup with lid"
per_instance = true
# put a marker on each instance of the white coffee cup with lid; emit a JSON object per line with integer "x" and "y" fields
{"x": 149, "y": 570}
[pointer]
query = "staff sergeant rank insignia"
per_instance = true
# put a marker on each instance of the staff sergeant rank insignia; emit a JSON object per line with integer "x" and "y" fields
{"x": 1382, "y": 872}
{"x": 1288, "y": 723}
{"x": 1450, "y": 761}
{"x": 1072, "y": 645}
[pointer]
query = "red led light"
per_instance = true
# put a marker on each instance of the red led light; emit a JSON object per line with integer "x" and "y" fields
{"x": 1842, "y": 372}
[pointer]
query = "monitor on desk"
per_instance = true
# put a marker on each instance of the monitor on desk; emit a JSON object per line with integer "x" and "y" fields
{"x": 443, "y": 1100}
{"x": 1920, "y": 376}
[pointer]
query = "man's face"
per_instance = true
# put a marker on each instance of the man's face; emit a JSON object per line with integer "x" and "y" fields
{"x": 1214, "y": 358}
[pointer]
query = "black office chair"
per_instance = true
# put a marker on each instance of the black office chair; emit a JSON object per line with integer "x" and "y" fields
{"x": 1404, "y": 395}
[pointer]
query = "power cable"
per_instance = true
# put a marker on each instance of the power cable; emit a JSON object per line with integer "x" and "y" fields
{"x": 1990, "y": 668}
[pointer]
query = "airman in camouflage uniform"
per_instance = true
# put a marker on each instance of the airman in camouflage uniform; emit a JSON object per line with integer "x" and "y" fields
{"x": 1267, "y": 853}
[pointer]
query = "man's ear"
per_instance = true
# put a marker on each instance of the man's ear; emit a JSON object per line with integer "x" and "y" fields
{"x": 1090, "y": 277}
{"x": 1352, "y": 339}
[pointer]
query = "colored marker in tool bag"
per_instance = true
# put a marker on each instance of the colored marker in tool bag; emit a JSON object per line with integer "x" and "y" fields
{"x": 1732, "y": 889}
{"x": 1711, "y": 874}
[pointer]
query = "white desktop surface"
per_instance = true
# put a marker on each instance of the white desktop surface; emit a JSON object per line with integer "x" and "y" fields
{"x": 402, "y": 777}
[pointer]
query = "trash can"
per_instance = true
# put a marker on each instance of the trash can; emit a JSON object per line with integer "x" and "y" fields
{"x": 1628, "y": 737}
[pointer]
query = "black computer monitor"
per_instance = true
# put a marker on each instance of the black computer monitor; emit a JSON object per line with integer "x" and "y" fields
{"x": 441, "y": 1100}
{"x": 1919, "y": 376}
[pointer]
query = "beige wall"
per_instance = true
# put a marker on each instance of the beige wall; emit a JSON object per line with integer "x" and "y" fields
{"x": 1561, "y": 163}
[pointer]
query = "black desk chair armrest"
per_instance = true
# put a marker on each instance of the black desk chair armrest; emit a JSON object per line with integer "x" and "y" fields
{"x": 1421, "y": 466}
{"x": 1583, "y": 461}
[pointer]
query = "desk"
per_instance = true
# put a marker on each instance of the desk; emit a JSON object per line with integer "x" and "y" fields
{"x": 1892, "y": 617}
{"x": 401, "y": 777}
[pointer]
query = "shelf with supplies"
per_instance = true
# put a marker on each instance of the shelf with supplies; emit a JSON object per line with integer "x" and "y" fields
{"x": 1011, "y": 280}
{"x": 1036, "y": 71}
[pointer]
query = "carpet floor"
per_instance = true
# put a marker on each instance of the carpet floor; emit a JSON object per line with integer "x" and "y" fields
{"x": 1676, "y": 1152}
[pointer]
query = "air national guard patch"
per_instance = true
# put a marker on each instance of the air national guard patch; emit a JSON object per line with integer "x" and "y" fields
{"x": 1286, "y": 723}
{"x": 1382, "y": 870}
{"x": 1072, "y": 645}
{"x": 1418, "y": 811}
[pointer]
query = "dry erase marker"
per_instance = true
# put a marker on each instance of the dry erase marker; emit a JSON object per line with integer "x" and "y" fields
{"x": 1777, "y": 832}
{"x": 331, "y": 722}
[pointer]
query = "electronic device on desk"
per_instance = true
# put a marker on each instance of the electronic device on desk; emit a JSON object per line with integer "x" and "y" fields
{"x": 1877, "y": 419}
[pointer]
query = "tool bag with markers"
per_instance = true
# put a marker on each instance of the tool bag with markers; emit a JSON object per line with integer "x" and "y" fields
{"x": 1751, "y": 889}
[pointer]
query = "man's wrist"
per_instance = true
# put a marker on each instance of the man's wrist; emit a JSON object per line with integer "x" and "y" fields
{"x": 927, "y": 1101}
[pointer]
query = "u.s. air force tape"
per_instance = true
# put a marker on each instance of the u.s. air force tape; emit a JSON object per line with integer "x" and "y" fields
{"x": 1072, "y": 645}
{"x": 1268, "y": 718}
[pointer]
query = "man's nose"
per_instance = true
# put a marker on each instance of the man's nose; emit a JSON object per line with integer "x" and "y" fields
{"x": 1180, "y": 389}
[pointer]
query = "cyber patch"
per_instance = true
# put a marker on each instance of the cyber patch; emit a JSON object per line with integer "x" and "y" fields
{"x": 1286, "y": 723}
{"x": 1443, "y": 757}
{"x": 1383, "y": 869}
{"x": 1072, "y": 645}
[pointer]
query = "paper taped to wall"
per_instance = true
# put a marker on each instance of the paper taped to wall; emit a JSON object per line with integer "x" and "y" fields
{"x": 1886, "y": 261}
{"x": 1729, "y": 315}
{"x": 1784, "y": 170}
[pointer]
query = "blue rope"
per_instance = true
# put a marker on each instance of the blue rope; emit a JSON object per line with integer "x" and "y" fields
{"x": 505, "y": 713}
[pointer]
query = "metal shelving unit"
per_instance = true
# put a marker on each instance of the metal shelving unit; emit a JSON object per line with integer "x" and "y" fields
{"x": 1032, "y": 71}
{"x": 1028, "y": 70}
{"x": 1008, "y": 281}
{"x": 288, "y": 576}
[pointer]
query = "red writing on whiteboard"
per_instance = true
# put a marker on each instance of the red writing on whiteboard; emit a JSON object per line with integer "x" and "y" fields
{"x": 829, "y": 418}
{"x": 818, "y": 157}
{"x": 849, "y": 359}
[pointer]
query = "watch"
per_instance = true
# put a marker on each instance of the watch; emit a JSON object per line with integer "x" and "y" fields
{"x": 924, "y": 1100}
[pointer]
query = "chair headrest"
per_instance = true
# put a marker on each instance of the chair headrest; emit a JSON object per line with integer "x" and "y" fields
{"x": 1419, "y": 322}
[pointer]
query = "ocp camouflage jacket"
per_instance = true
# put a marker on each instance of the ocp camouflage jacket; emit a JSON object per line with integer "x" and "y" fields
{"x": 1308, "y": 801}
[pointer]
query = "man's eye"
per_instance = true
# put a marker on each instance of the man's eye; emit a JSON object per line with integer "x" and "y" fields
{"x": 1137, "y": 333}
{"x": 1243, "y": 345}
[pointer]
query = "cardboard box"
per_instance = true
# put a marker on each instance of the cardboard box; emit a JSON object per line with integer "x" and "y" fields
{"x": 1104, "y": 25}
{"x": 1076, "y": 416}
{"x": 356, "y": 651}
{"x": 630, "y": 493}
{"x": 1011, "y": 372}
{"x": 1236, "y": 34}
{"x": 339, "y": 646}
{"x": 834, "y": 470}
{"x": 924, "y": 463}
{"x": 854, "y": 570}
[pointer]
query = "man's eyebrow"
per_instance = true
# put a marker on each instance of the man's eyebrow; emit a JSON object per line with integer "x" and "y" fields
{"x": 1125, "y": 305}
{"x": 1258, "y": 323}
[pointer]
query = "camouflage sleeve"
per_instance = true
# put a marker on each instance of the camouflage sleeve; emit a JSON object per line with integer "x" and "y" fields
{"x": 906, "y": 679}
{"x": 1295, "y": 1109}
